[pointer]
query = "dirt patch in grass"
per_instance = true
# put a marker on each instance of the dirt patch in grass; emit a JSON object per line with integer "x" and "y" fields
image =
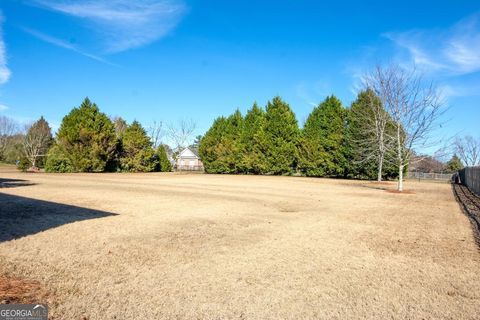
{"x": 381, "y": 183}
{"x": 400, "y": 192}
{"x": 14, "y": 290}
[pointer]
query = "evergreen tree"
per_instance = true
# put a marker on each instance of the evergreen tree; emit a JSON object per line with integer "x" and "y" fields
{"x": 362, "y": 151}
{"x": 164, "y": 165}
{"x": 321, "y": 146}
{"x": 137, "y": 154}
{"x": 253, "y": 142}
{"x": 281, "y": 135}
{"x": 87, "y": 138}
{"x": 454, "y": 164}
{"x": 220, "y": 148}
{"x": 209, "y": 145}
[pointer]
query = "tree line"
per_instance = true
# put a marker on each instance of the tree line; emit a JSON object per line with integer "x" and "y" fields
{"x": 375, "y": 137}
{"x": 87, "y": 141}
{"x": 395, "y": 114}
{"x": 270, "y": 141}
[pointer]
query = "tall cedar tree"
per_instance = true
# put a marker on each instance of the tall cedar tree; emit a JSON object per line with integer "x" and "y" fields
{"x": 321, "y": 149}
{"x": 364, "y": 158}
{"x": 137, "y": 152}
{"x": 253, "y": 142}
{"x": 220, "y": 148}
{"x": 164, "y": 165}
{"x": 209, "y": 144}
{"x": 281, "y": 133}
{"x": 87, "y": 138}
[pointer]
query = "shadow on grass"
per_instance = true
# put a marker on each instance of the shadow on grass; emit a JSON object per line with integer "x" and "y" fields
{"x": 20, "y": 216}
{"x": 13, "y": 183}
{"x": 470, "y": 205}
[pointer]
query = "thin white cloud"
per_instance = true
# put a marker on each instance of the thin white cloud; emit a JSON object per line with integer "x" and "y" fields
{"x": 4, "y": 71}
{"x": 63, "y": 44}
{"x": 313, "y": 93}
{"x": 459, "y": 89}
{"x": 3, "y": 107}
{"x": 123, "y": 24}
{"x": 454, "y": 50}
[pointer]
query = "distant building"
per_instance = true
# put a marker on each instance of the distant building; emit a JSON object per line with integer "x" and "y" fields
{"x": 188, "y": 160}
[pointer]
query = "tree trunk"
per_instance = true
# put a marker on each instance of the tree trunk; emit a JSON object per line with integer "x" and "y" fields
{"x": 380, "y": 168}
{"x": 400, "y": 159}
{"x": 400, "y": 178}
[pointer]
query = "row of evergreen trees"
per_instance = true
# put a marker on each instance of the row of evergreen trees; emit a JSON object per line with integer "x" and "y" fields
{"x": 270, "y": 141}
{"x": 88, "y": 141}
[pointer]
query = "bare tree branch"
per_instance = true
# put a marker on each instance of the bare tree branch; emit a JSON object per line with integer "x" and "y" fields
{"x": 181, "y": 133}
{"x": 37, "y": 140}
{"x": 156, "y": 132}
{"x": 8, "y": 127}
{"x": 414, "y": 106}
{"x": 468, "y": 149}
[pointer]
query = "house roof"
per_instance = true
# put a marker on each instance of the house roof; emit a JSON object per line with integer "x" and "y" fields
{"x": 188, "y": 153}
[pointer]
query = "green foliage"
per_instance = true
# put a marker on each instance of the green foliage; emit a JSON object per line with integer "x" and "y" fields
{"x": 210, "y": 144}
{"x": 253, "y": 142}
{"x": 87, "y": 137}
{"x": 14, "y": 149}
{"x": 57, "y": 161}
{"x": 281, "y": 135}
{"x": 23, "y": 164}
{"x": 164, "y": 165}
{"x": 220, "y": 148}
{"x": 454, "y": 164}
{"x": 361, "y": 153}
{"x": 137, "y": 154}
{"x": 321, "y": 146}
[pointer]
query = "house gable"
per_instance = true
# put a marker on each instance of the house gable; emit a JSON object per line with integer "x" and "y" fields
{"x": 187, "y": 153}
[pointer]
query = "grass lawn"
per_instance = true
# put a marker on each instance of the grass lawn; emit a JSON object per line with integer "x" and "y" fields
{"x": 163, "y": 246}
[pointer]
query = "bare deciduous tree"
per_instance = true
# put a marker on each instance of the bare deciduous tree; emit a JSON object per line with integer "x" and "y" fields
{"x": 120, "y": 126}
{"x": 468, "y": 149}
{"x": 372, "y": 120}
{"x": 8, "y": 127}
{"x": 37, "y": 140}
{"x": 156, "y": 133}
{"x": 181, "y": 133}
{"x": 414, "y": 106}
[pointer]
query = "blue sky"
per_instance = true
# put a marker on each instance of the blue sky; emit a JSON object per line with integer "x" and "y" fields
{"x": 169, "y": 60}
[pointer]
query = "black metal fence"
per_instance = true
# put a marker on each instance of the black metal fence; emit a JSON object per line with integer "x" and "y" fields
{"x": 470, "y": 176}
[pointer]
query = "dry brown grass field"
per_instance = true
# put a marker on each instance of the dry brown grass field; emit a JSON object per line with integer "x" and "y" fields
{"x": 192, "y": 246}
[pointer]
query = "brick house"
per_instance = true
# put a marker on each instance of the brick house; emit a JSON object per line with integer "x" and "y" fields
{"x": 188, "y": 160}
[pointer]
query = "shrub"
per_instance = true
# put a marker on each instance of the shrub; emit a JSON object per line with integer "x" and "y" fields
{"x": 57, "y": 161}
{"x": 164, "y": 165}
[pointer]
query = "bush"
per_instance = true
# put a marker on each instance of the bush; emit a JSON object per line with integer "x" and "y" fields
{"x": 164, "y": 165}
{"x": 23, "y": 164}
{"x": 57, "y": 161}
